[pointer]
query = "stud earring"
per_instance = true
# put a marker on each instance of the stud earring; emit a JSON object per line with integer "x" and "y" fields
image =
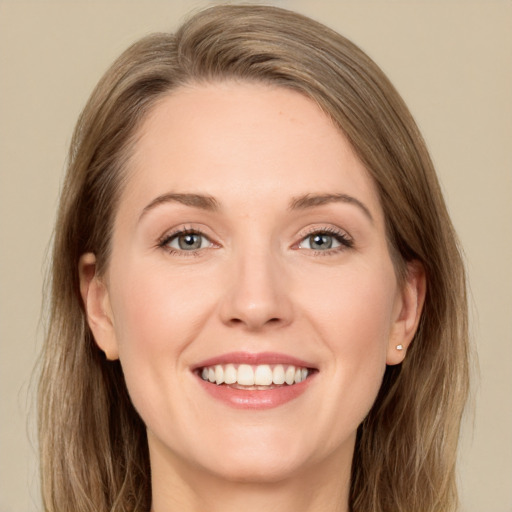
{"x": 399, "y": 347}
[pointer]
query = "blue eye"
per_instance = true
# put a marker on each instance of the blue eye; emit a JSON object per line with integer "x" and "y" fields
{"x": 186, "y": 241}
{"x": 324, "y": 241}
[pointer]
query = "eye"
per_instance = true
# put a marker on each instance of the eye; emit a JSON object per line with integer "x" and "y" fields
{"x": 188, "y": 241}
{"x": 324, "y": 241}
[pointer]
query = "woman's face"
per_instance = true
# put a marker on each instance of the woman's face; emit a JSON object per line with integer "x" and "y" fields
{"x": 249, "y": 244}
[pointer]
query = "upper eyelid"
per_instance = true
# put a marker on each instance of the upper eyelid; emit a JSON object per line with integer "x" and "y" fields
{"x": 184, "y": 229}
{"x": 332, "y": 230}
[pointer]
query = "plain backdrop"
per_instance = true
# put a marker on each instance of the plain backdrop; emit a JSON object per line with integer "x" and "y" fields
{"x": 451, "y": 61}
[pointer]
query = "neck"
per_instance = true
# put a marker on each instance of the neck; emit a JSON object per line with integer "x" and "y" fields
{"x": 322, "y": 487}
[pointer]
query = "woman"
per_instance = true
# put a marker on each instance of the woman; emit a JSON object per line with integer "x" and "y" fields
{"x": 257, "y": 296}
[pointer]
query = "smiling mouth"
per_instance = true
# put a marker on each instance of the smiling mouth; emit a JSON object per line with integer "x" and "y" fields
{"x": 254, "y": 377}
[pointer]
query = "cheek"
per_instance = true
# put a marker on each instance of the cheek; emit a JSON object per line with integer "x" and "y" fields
{"x": 354, "y": 307}
{"x": 353, "y": 319}
{"x": 154, "y": 309}
{"x": 156, "y": 317}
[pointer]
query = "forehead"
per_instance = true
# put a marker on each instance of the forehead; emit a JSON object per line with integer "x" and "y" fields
{"x": 238, "y": 140}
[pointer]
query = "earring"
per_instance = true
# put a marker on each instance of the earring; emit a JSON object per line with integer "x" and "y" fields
{"x": 399, "y": 347}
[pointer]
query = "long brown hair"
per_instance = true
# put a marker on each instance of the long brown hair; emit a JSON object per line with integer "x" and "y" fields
{"x": 94, "y": 454}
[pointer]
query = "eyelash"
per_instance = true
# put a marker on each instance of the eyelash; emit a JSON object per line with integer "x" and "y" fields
{"x": 344, "y": 240}
{"x": 169, "y": 237}
{"x": 340, "y": 236}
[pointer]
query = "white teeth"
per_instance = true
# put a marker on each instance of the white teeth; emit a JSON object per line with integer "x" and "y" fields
{"x": 245, "y": 375}
{"x": 260, "y": 375}
{"x": 278, "y": 375}
{"x": 263, "y": 375}
{"x": 219, "y": 374}
{"x": 230, "y": 374}
{"x": 290, "y": 375}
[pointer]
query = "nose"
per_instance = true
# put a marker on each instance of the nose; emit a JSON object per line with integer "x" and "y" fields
{"x": 257, "y": 295}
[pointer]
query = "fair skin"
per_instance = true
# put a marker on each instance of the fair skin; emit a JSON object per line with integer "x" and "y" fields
{"x": 263, "y": 271}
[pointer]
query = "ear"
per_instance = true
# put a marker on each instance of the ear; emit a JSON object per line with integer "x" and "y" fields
{"x": 97, "y": 306}
{"x": 407, "y": 312}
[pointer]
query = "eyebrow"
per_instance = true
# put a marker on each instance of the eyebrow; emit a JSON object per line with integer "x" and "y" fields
{"x": 204, "y": 202}
{"x": 312, "y": 200}
{"x": 209, "y": 203}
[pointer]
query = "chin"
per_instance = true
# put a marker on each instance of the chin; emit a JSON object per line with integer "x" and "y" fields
{"x": 258, "y": 470}
{"x": 262, "y": 457}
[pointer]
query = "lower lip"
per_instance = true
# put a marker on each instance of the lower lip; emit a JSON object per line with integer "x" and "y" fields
{"x": 255, "y": 399}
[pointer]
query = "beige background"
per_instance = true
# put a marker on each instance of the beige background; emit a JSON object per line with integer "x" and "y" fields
{"x": 452, "y": 62}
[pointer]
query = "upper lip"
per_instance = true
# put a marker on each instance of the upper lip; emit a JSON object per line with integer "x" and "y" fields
{"x": 254, "y": 359}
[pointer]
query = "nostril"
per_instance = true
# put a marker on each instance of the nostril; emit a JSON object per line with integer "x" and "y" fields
{"x": 251, "y": 323}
